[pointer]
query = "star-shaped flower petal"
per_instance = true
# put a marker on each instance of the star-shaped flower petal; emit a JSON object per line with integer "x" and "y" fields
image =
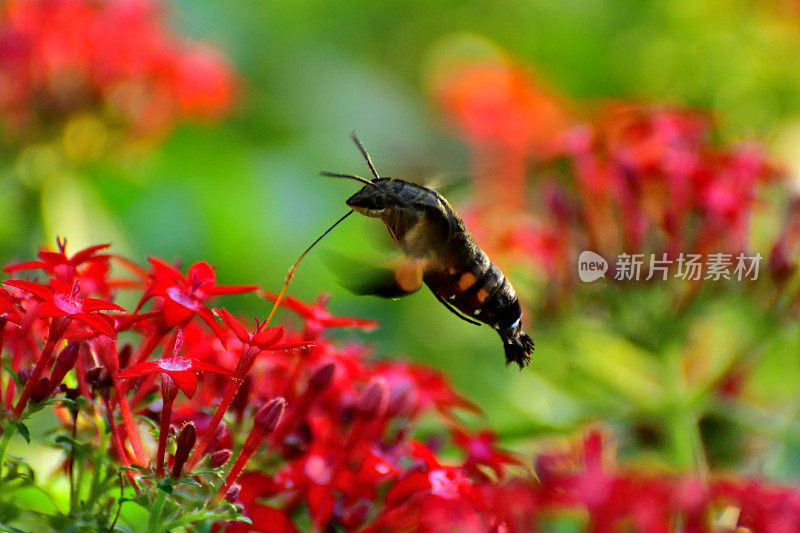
{"x": 263, "y": 337}
{"x": 183, "y": 296}
{"x": 317, "y": 318}
{"x": 183, "y": 370}
{"x": 62, "y": 300}
{"x": 59, "y": 263}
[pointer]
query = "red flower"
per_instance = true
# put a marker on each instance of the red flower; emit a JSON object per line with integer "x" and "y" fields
{"x": 317, "y": 318}
{"x": 264, "y": 338}
{"x": 62, "y": 300}
{"x": 8, "y": 308}
{"x": 183, "y": 370}
{"x": 495, "y": 103}
{"x": 59, "y": 264}
{"x": 64, "y": 54}
{"x": 204, "y": 84}
{"x": 183, "y": 296}
{"x": 482, "y": 449}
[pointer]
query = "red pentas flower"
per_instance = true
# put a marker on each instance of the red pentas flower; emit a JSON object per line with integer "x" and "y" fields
{"x": 481, "y": 450}
{"x": 316, "y": 318}
{"x": 263, "y": 338}
{"x": 88, "y": 266}
{"x": 8, "y": 308}
{"x": 415, "y": 388}
{"x": 253, "y": 344}
{"x": 60, "y": 56}
{"x": 61, "y": 265}
{"x": 182, "y": 296}
{"x": 183, "y": 370}
{"x": 497, "y": 103}
{"x": 339, "y": 451}
{"x": 63, "y": 300}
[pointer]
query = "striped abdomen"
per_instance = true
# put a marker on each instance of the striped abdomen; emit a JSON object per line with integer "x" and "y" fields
{"x": 474, "y": 285}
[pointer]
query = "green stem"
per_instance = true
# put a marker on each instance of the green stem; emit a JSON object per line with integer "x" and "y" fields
{"x": 99, "y": 463}
{"x": 186, "y": 520}
{"x": 155, "y": 513}
{"x": 8, "y": 432}
{"x": 684, "y": 433}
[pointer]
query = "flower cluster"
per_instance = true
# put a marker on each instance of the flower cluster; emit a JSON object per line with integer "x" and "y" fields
{"x": 633, "y": 179}
{"x": 331, "y": 429}
{"x": 79, "y": 58}
{"x": 587, "y": 479}
{"x": 268, "y": 428}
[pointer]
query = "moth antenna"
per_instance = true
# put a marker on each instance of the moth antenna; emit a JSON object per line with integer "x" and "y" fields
{"x": 364, "y": 153}
{"x": 290, "y": 274}
{"x": 349, "y": 176}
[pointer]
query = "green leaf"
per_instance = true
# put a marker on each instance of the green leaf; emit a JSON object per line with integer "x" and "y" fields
{"x": 14, "y": 375}
{"x": 8, "y": 512}
{"x": 148, "y": 421}
{"x": 135, "y": 468}
{"x": 166, "y": 485}
{"x": 23, "y": 430}
{"x": 70, "y": 445}
{"x": 190, "y": 481}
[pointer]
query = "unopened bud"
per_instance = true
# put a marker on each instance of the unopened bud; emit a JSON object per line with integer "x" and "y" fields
{"x": 269, "y": 416}
{"x": 399, "y": 400}
{"x": 99, "y": 379}
{"x": 222, "y": 438}
{"x": 169, "y": 389}
{"x": 41, "y": 390}
{"x": 233, "y": 493}
{"x": 125, "y": 356}
{"x": 24, "y": 375}
{"x": 219, "y": 458}
{"x": 780, "y": 265}
{"x": 64, "y": 363}
{"x": 373, "y": 401}
{"x": 322, "y": 377}
{"x": 183, "y": 446}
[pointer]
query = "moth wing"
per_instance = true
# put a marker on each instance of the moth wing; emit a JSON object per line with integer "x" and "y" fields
{"x": 424, "y": 242}
{"x": 398, "y": 278}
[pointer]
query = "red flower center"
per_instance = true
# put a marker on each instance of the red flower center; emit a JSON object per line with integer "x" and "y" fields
{"x": 68, "y": 303}
{"x": 186, "y": 299}
{"x": 175, "y": 365}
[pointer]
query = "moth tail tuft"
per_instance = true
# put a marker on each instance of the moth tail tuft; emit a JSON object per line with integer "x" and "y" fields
{"x": 519, "y": 350}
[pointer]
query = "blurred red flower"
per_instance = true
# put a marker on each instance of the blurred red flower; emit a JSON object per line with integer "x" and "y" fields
{"x": 60, "y": 57}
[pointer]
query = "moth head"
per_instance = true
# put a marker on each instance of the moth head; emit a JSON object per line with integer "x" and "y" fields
{"x": 371, "y": 201}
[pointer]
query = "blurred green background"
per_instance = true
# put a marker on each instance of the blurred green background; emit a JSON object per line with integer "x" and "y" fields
{"x": 245, "y": 196}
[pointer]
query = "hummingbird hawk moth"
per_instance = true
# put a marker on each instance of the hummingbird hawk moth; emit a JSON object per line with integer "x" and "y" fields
{"x": 439, "y": 252}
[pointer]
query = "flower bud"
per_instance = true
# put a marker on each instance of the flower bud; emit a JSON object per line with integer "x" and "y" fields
{"x": 64, "y": 363}
{"x": 24, "y": 375}
{"x": 184, "y": 445}
{"x": 169, "y": 389}
{"x": 322, "y": 378}
{"x": 222, "y": 438}
{"x": 372, "y": 403}
{"x": 125, "y": 356}
{"x": 233, "y": 493}
{"x": 98, "y": 378}
{"x": 781, "y": 266}
{"x": 219, "y": 458}
{"x": 41, "y": 391}
{"x": 399, "y": 400}
{"x": 269, "y": 416}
